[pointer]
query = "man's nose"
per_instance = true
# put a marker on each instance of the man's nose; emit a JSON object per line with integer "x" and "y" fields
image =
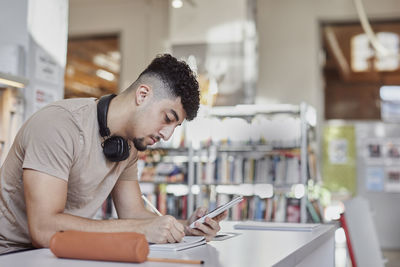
{"x": 166, "y": 132}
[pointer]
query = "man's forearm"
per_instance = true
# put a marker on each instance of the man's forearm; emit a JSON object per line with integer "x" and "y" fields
{"x": 136, "y": 214}
{"x": 43, "y": 229}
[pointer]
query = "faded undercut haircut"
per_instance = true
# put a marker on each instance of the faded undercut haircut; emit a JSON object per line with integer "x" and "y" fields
{"x": 173, "y": 78}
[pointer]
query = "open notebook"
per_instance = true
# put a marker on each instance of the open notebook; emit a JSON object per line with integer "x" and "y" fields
{"x": 273, "y": 226}
{"x": 187, "y": 242}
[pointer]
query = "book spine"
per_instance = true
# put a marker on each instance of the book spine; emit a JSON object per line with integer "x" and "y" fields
{"x": 293, "y": 210}
{"x": 313, "y": 213}
{"x": 162, "y": 199}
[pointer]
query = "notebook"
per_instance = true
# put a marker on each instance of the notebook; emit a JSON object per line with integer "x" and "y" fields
{"x": 187, "y": 242}
{"x": 272, "y": 226}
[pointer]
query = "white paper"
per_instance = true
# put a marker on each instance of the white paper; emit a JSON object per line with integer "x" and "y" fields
{"x": 338, "y": 150}
{"x": 187, "y": 242}
{"x": 253, "y": 225}
{"x": 375, "y": 179}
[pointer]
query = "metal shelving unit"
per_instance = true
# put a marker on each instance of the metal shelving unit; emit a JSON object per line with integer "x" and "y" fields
{"x": 307, "y": 116}
{"x": 192, "y": 156}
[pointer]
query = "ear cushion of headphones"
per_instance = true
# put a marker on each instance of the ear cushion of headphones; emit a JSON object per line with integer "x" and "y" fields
{"x": 116, "y": 148}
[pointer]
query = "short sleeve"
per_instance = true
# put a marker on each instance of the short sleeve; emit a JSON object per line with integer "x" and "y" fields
{"x": 131, "y": 170}
{"x": 50, "y": 139}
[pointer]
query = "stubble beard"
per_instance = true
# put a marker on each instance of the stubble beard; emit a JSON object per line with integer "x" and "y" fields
{"x": 139, "y": 144}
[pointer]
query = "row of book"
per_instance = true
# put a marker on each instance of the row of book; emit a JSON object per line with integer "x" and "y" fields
{"x": 168, "y": 203}
{"x": 164, "y": 172}
{"x": 278, "y": 208}
{"x": 228, "y": 168}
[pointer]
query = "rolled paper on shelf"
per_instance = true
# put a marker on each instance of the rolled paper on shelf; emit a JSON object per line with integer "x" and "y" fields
{"x": 123, "y": 247}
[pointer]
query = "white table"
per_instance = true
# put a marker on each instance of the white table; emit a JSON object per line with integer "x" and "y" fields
{"x": 249, "y": 248}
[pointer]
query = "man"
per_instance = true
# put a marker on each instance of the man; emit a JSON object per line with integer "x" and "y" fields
{"x": 56, "y": 174}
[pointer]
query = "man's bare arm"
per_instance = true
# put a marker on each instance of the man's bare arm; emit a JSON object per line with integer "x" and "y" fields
{"x": 128, "y": 202}
{"x": 45, "y": 198}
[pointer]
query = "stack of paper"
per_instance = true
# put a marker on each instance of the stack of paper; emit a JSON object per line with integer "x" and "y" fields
{"x": 253, "y": 225}
{"x": 187, "y": 242}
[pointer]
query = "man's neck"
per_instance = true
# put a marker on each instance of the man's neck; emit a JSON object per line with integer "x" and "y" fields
{"x": 117, "y": 115}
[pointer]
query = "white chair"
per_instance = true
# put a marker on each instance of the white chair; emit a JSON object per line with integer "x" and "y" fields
{"x": 362, "y": 233}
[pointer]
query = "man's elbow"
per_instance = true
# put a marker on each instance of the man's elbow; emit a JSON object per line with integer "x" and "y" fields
{"x": 40, "y": 235}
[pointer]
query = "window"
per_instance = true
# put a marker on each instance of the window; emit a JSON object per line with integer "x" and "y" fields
{"x": 364, "y": 58}
{"x": 354, "y": 72}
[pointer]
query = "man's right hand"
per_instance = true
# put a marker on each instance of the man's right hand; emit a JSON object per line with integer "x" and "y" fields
{"x": 164, "y": 229}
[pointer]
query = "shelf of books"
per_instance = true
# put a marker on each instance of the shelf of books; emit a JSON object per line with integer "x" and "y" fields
{"x": 164, "y": 171}
{"x": 169, "y": 199}
{"x": 267, "y": 154}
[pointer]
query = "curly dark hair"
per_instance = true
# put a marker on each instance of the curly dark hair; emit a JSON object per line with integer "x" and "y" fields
{"x": 180, "y": 80}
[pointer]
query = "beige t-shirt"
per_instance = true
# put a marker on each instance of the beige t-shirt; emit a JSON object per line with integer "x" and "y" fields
{"x": 61, "y": 140}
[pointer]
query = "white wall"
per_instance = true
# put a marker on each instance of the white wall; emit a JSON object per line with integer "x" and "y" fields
{"x": 47, "y": 25}
{"x": 289, "y": 45}
{"x": 13, "y": 18}
{"x": 209, "y": 21}
{"x": 224, "y": 33}
{"x": 141, "y": 24}
{"x": 32, "y": 41}
{"x": 14, "y": 36}
{"x": 46, "y": 57}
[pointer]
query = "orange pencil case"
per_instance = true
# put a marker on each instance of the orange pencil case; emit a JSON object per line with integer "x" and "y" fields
{"x": 124, "y": 247}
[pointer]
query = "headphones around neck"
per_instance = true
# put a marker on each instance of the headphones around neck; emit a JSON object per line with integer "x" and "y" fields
{"x": 115, "y": 148}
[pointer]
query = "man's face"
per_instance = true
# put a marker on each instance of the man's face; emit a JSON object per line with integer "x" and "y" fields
{"x": 156, "y": 120}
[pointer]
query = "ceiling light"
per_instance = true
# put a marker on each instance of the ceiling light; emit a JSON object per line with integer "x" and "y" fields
{"x": 109, "y": 62}
{"x": 177, "y": 3}
{"x": 106, "y": 75}
{"x": 390, "y": 93}
{"x": 12, "y": 80}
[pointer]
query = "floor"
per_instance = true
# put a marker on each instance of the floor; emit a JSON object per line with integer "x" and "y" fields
{"x": 393, "y": 257}
{"x": 342, "y": 259}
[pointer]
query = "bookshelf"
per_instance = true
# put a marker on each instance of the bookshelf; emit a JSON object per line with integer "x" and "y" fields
{"x": 271, "y": 165}
{"x": 267, "y": 161}
{"x": 164, "y": 173}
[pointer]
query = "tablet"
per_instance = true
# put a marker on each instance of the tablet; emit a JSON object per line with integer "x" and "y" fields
{"x": 218, "y": 210}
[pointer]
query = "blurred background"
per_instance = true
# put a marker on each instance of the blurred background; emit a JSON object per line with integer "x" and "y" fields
{"x": 300, "y": 98}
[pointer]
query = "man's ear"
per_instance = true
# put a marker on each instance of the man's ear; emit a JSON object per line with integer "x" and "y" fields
{"x": 143, "y": 93}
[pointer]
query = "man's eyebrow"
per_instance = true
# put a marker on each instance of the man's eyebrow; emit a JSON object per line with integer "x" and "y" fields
{"x": 175, "y": 115}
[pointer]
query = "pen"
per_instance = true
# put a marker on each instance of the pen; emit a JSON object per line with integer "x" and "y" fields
{"x": 176, "y": 260}
{"x": 151, "y": 205}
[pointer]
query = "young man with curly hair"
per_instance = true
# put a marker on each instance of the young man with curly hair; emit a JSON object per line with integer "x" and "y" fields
{"x": 57, "y": 175}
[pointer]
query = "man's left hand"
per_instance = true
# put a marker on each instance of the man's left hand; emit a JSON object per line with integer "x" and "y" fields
{"x": 209, "y": 228}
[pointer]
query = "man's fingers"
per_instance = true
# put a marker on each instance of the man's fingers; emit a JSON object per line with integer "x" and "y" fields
{"x": 204, "y": 228}
{"x": 194, "y": 231}
{"x": 221, "y": 216}
{"x": 180, "y": 227}
{"x": 200, "y": 212}
{"x": 178, "y": 232}
{"x": 170, "y": 238}
{"x": 213, "y": 224}
{"x": 177, "y": 236}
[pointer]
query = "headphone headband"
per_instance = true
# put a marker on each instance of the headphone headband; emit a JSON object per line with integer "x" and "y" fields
{"x": 102, "y": 110}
